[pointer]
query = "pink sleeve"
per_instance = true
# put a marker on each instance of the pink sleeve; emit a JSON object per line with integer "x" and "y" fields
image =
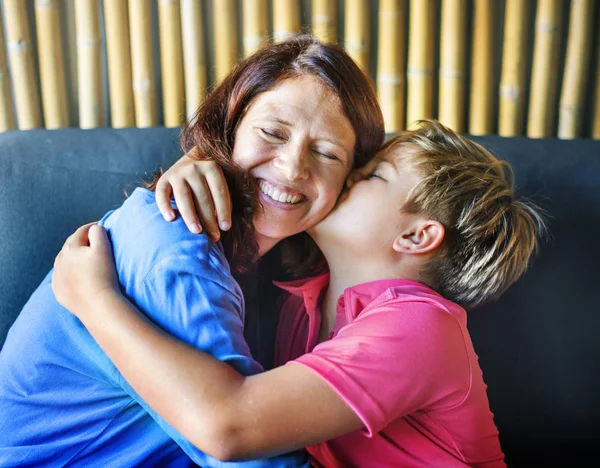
{"x": 395, "y": 360}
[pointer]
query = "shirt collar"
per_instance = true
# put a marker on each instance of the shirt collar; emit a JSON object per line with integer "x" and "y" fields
{"x": 301, "y": 287}
{"x": 354, "y": 299}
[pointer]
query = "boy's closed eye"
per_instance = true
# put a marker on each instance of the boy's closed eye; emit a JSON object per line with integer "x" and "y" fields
{"x": 375, "y": 175}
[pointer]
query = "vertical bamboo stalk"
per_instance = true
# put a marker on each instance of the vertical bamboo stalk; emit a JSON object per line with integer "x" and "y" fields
{"x": 52, "y": 64}
{"x": 7, "y": 118}
{"x": 323, "y": 20}
{"x": 357, "y": 32}
{"x": 577, "y": 64}
{"x": 390, "y": 64}
{"x": 225, "y": 40}
{"x": 119, "y": 63}
{"x": 452, "y": 64}
{"x": 88, "y": 63}
{"x": 171, "y": 58}
{"x": 70, "y": 56}
{"x": 255, "y": 27}
{"x": 544, "y": 70}
{"x": 512, "y": 81}
{"x": 194, "y": 62}
{"x": 596, "y": 127}
{"x": 142, "y": 65}
{"x": 21, "y": 65}
{"x": 420, "y": 61}
{"x": 481, "y": 106}
{"x": 286, "y": 19}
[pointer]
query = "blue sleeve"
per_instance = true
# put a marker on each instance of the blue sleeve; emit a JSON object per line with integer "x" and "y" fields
{"x": 184, "y": 297}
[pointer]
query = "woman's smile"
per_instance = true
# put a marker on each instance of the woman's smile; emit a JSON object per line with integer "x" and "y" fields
{"x": 279, "y": 193}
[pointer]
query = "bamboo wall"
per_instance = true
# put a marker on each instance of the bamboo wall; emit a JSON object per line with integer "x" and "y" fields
{"x": 507, "y": 67}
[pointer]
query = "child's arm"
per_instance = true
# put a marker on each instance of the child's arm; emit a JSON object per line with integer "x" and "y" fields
{"x": 223, "y": 413}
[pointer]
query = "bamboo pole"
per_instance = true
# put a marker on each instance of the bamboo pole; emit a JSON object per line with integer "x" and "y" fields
{"x": 596, "y": 125}
{"x": 52, "y": 64}
{"x": 577, "y": 64}
{"x": 142, "y": 64}
{"x": 70, "y": 56}
{"x": 225, "y": 40}
{"x": 171, "y": 58}
{"x": 119, "y": 63}
{"x": 255, "y": 27}
{"x": 7, "y": 118}
{"x": 390, "y": 64}
{"x": 324, "y": 20}
{"x": 482, "y": 96}
{"x": 512, "y": 81}
{"x": 357, "y": 32}
{"x": 544, "y": 70}
{"x": 420, "y": 61}
{"x": 286, "y": 19}
{"x": 21, "y": 65}
{"x": 452, "y": 64}
{"x": 88, "y": 63}
{"x": 194, "y": 61}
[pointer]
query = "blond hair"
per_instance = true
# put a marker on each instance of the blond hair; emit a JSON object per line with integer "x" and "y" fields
{"x": 490, "y": 236}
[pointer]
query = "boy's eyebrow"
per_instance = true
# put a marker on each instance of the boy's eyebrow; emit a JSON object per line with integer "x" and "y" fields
{"x": 391, "y": 164}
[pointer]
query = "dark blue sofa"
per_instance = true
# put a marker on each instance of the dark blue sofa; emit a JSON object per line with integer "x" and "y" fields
{"x": 539, "y": 345}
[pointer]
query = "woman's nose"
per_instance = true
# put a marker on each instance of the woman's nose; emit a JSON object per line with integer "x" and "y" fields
{"x": 293, "y": 162}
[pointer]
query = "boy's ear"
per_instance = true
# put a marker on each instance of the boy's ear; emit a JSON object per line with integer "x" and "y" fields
{"x": 424, "y": 236}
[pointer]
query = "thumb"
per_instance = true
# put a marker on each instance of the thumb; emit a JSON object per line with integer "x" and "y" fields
{"x": 99, "y": 239}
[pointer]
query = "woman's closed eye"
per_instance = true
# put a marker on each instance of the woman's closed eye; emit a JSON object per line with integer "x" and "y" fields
{"x": 327, "y": 156}
{"x": 272, "y": 134}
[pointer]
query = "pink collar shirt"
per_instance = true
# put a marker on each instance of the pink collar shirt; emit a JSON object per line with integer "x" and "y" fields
{"x": 401, "y": 357}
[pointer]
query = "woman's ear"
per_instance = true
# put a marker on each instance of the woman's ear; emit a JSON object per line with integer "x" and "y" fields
{"x": 424, "y": 236}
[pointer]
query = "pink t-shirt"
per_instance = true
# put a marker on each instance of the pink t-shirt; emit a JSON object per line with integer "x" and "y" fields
{"x": 401, "y": 357}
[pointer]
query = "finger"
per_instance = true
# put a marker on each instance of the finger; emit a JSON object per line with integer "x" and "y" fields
{"x": 56, "y": 260}
{"x": 163, "y": 199}
{"x": 205, "y": 207}
{"x": 98, "y": 239}
{"x": 80, "y": 237}
{"x": 220, "y": 196}
{"x": 185, "y": 205}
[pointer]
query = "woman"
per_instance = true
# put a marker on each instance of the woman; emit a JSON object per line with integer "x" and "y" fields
{"x": 293, "y": 118}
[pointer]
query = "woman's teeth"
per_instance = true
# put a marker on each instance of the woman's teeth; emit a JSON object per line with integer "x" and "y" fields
{"x": 277, "y": 195}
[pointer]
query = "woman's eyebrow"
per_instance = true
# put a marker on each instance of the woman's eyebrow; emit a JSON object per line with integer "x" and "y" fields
{"x": 277, "y": 119}
{"x": 332, "y": 140}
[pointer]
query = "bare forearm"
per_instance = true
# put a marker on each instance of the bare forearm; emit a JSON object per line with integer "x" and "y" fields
{"x": 191, "y": 390}
{"x": 223, "y": 413}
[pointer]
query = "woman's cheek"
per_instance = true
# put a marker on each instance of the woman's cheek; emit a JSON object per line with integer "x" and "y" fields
{"x": 333, "y": 191}
{"x": 251, "y": 152}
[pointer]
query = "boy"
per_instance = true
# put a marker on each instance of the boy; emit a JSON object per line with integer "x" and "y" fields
{"x": 382, "y": 371}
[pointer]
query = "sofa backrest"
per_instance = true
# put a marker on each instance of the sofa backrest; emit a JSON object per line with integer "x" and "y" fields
{"x": 53, "y": 181}
{"x": 538, "y": 344}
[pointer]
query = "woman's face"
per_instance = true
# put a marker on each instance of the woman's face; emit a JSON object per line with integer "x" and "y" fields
{"x": 298, "y": 146}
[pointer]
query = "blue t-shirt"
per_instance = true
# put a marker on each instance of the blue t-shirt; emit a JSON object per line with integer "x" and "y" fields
{"x": 63, "y": 402}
